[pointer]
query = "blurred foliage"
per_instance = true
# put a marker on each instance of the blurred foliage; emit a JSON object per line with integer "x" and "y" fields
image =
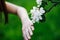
{"x": 48, "y": 30}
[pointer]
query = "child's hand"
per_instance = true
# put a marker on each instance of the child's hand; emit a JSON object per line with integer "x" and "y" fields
{"x": 26, "y": 22}
{"x": 27, "y": 29}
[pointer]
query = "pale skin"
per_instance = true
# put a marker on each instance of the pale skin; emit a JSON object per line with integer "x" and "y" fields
{"x": 27, "y": 25}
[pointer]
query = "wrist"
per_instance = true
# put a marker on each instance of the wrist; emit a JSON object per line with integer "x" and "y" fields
{"x": 25, "y": 20}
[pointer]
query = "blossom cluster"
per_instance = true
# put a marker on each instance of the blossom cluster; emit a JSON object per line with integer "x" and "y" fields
{"x": 37, "y": 11}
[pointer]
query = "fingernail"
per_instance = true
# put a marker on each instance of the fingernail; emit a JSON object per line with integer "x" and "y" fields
{"x": 33, "y": 29}
{"x": 29, "y": 37}
{"x": 31, "y": 34}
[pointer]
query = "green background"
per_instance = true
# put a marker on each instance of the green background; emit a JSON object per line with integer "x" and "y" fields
{"x": 48, "y": 30}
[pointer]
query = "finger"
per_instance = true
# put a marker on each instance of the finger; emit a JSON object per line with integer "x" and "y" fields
{"x": 27, "y": 34}
{"x": 30, "y": 31}
{"x": 31, "y": 23}
{"x": 32, "y": 27}
{"x": 24, "y": 35}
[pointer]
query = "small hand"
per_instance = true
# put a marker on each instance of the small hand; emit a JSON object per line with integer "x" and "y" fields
{"x": 27, "y": 29}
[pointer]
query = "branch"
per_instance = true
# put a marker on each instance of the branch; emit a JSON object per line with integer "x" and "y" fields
{"x": 54, "y": 4}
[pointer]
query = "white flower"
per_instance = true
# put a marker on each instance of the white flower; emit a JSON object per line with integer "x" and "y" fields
{"x": 42, "y": 10}
{"x": 33, "y": 10}
{"x": 38, "y": 1}
{"x": 36, "y": 12}
{"x": 40, "y": 17}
